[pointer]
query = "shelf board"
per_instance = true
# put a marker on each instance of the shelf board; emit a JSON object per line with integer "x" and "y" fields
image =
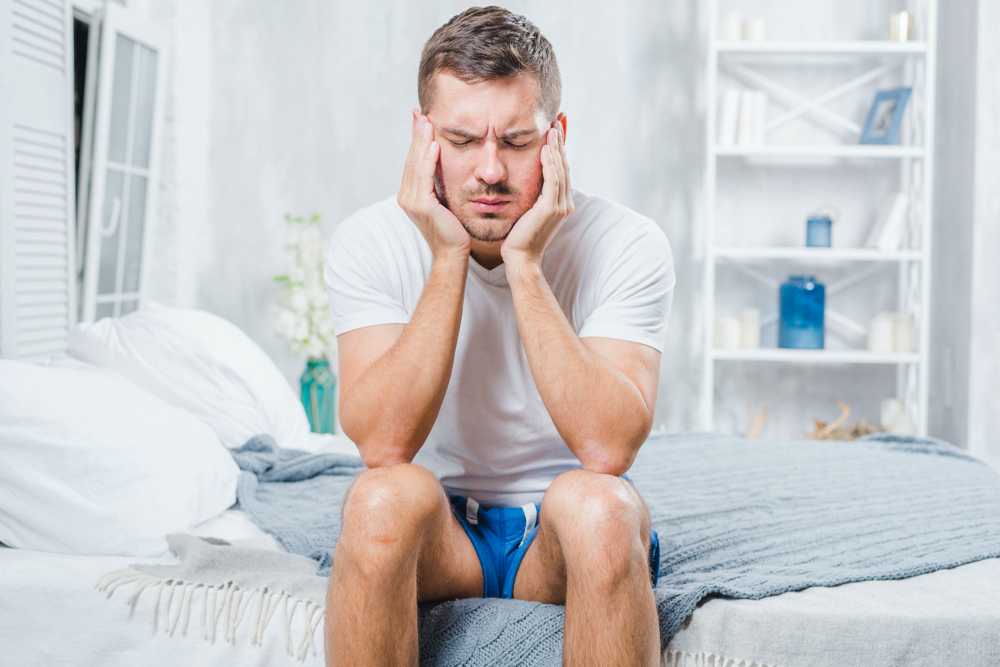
{"x": 815, "y": 356}
{"x": 821, "y": 151}
{"x": 822, "y": 47}
{"x": 820, "y": 254}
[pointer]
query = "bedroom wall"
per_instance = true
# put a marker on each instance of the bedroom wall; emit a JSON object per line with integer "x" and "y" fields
{"x": 955, "y": 144}
{"x": 984, "y": 347}
{"x": 275, "y": 111}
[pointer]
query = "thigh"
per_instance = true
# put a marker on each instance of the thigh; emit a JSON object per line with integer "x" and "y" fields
{"x": 405, "y": 509}
{"x": 541, "y": 576}
{"x": 448, "y": 566}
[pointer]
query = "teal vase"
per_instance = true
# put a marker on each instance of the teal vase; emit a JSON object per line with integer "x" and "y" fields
{"x": 318, "y": 385}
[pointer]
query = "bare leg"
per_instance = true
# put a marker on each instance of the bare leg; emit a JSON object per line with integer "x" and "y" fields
{"x": 399, "y": 542}
{"x": 591, "y": 552}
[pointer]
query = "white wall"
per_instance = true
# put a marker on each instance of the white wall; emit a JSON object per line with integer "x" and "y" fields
{"x": 304, "y": 110}
{"x": 984, "y": 347}
{"x": 953, "y": 208}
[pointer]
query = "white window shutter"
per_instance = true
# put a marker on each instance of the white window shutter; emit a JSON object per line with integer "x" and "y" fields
{"x": 124, "y": 159}
{"x": 37, "y": 262}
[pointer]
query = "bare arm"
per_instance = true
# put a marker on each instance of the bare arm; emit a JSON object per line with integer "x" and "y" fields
{"x": 599, "y": 392}
{"x": 393, "y": 377}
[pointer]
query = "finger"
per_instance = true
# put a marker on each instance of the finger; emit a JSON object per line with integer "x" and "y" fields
{"x": 426, "y": 167}
{"x": 562, "y": 150}
{"x": 557, "y": 159}
{"x": 550, "y": 178}
{"x": 418, "y": 148}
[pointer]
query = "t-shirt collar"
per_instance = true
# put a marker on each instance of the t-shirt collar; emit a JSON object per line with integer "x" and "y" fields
{"x": 497, "y": 276}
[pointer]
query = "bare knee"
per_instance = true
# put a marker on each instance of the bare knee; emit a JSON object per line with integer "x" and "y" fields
{"x": 390, "y": 506}
{"x": 600, "y": 522}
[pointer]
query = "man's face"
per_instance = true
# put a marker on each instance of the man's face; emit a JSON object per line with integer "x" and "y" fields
{"x": 489, "y": 173}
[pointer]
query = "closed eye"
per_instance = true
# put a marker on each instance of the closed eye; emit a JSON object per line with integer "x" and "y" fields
{"x": 460, "y": 144}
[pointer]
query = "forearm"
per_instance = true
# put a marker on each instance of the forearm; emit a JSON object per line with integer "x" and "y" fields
{"x": 392, "y": 406}
{"x": 598, "y": 410}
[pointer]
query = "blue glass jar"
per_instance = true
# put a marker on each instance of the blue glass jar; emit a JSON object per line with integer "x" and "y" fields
{"x": 318, "y": 386}
{"x": 818, "y": 229}
{"x": 803, "y": 301}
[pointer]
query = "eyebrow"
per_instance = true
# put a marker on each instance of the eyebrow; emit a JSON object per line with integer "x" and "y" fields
{"x": 512, "y": 134}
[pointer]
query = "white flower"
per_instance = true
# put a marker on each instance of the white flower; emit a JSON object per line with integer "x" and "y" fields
{"x": 298, "y": 300}
{"x": 303, "y": 317}
{"x": 317, "y": 296}
{"x": 284, "y": 324}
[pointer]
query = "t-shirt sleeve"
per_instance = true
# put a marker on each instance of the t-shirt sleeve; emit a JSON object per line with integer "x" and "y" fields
{"x": 361, "y": 291}
{"x": 635, "y": 292}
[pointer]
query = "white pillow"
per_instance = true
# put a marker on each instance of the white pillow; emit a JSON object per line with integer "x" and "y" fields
{"x": 94, "y": 465}
{"x": 228, "y": 345}
{"x": 156, "y": 352}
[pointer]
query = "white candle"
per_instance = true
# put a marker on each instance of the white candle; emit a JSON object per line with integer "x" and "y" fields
{"x": 750, "y": 328}
{"x": 754, "y": 29}
{"x": 731, "y": 27}
{"x": 727, "y": 332}
{"x": 881, "y": 337}
{"x": 892, "y": 408}
{"x": 902, "y": 325}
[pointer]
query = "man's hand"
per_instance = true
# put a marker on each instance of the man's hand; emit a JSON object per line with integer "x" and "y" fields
{"x": 441, "y": 229}
{"x": 532, "y": 233}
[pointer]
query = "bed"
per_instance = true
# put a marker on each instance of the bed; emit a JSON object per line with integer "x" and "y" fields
{"x": 51, "y": 610}
{"x": 51, "y": 613}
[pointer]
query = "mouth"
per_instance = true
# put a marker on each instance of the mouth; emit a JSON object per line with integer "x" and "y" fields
{"x": 489, "y": 204}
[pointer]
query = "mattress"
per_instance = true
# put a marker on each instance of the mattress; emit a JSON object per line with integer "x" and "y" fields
{"x": 51, "y": 613}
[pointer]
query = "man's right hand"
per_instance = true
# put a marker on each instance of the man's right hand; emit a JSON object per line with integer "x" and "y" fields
{"x": 441, "y": 229}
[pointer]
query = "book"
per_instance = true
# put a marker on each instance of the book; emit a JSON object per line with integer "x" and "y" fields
{"x": 729, "y": 111}
{"x": 887, "y": 232}
{"x": 746, "y": 135}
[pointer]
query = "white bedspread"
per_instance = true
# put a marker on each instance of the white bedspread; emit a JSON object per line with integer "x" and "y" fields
{"x": 51, "y": 614}
{"x": 944, "y": 618}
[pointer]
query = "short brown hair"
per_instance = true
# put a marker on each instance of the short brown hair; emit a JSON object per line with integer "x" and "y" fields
{"x": 484, "y": 43}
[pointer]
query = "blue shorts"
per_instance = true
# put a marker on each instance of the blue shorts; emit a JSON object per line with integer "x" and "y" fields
{"x": 502, "y": 535}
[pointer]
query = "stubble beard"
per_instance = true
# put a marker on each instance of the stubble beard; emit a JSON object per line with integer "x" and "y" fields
{"x": 485, "y": 227}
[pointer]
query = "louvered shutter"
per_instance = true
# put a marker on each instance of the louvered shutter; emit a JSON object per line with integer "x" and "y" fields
{"x": 121, "y": 200}
{"x": 37, "y": 274}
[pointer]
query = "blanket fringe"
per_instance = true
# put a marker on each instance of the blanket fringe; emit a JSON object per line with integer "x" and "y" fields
{"x": 684, "y": 659}
{"x": 225, "y": 602}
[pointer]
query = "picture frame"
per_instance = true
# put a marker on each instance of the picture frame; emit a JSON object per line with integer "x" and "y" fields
{"x": 886, "y": 116}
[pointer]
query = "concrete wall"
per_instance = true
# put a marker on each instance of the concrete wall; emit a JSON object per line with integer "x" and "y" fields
{"x": 954, "y": 189}
{"x": 984, "y": 346}
{"x": 275, "y": 111}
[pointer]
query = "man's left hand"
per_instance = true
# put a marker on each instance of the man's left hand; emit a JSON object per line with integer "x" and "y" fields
{"x": 532, "y": 233}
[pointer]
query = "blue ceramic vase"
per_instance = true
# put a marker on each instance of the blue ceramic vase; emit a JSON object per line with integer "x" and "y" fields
{"x": 318, "y": 385}
{"x": 802, "y": 305}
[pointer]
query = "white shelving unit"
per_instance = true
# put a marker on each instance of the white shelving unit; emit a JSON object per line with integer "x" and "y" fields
{"x": 915, "y": 156}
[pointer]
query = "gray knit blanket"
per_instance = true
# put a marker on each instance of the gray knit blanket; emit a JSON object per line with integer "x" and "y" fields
{"x": 736, "y": 518}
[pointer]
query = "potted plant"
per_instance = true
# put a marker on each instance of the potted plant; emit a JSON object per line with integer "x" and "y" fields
{"x": 303, "y": 321}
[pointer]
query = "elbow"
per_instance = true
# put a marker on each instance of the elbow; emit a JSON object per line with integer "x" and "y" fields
{"x": 381, "y": 459}
{"x": 379, "y": 455}
{"x": 612, "y": 454}
{"x": 377, "y": 450}
{"x": 606, "y": 460}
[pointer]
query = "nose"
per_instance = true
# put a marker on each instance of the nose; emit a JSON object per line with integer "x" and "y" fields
{"x": 490, "y": 168}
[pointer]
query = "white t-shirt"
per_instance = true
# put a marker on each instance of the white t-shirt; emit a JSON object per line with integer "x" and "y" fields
{"x": 612, "y": 272}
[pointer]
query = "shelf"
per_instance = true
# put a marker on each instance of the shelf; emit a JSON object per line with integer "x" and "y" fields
{"x": 820, "y": 47}
{"x": 820, "y": 254}
{"x": 820, "y": 151}
{"x": 815, "y": 356}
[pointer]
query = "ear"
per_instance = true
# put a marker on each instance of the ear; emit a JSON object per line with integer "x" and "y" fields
{"x": 561, "y": 119}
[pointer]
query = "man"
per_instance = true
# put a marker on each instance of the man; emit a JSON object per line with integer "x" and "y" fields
{"x": 500, "y": 339}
